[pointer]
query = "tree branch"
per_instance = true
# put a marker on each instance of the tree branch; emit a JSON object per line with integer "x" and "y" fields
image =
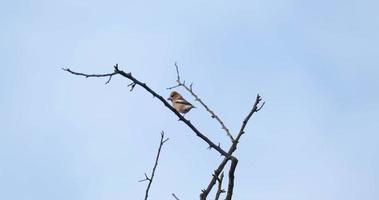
{"x": 232, "y": 169}
{"x": 219, "y": 188}
{"x": 227, "y": 155}
{"x": 148, "y": 89}
{"x": 173, "y": 195}
{"x": 92, "y": 75}
{"x": 232, "y": 148}
{"x": 204, "y": 193}
{"x": 255, "y": 109}
{"x": 197, "y": 98}
{"x": 151, "y": 178}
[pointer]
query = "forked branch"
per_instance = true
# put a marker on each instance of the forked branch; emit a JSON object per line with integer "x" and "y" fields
{"x": 148, "y": 89}
{"x": 151, "y": 178}
{"x": 181, "y": 83}
{"x": 228, "y": 156}
{"x": 219, "y": 188}
{"x": 232, "y": 149}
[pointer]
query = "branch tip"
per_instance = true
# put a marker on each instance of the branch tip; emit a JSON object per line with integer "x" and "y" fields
{"x": 150, "y": 179}
{"x": 175, "y": 196}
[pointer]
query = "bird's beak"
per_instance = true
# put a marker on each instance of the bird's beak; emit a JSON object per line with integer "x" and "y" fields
{"x": 170, "y": 99}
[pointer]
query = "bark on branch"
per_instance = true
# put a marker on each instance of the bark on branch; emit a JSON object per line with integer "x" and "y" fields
{"x": 232, "y": 169}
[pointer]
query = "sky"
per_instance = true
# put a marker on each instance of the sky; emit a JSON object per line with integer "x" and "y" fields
{"x": 315, "y": 63}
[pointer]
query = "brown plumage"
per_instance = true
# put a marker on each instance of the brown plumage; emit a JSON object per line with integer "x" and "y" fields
{"x": 179, "y": 103}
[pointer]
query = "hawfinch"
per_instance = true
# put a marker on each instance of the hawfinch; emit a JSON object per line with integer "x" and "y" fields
{"x": 179, "y": 103}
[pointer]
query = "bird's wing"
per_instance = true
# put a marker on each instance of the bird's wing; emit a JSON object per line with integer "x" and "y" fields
{"x": 181, "y": 100}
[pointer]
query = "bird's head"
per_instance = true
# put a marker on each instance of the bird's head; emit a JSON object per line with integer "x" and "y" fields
{"x": 173, "y": 95}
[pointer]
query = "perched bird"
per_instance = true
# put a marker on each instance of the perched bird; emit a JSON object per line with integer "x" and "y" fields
{"x": 179, "y": 103}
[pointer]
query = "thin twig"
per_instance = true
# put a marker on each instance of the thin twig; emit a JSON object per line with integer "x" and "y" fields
{"x": 219, "y": 188}
{"x": 175, "y": 196}
{"x": 145, "y": 179}
{"x": 197, "y": 98}
{"x": 204, "y": 193}
{"x": 255, "y": 109}
{"x": 92, "y": 75}
{"x": 151, "y": 178}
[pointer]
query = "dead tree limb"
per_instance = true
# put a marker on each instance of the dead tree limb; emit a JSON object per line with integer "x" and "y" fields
{"x": 151, "y": 178}
{"x": 232, "y": 170}
{"x": 110, "y": 75}
{"x": 228, "y": 156}
{"x": 232, "y": 148}
{"x": 181, "y": 83}
{"x": 148, "y": 89}
{"x": 204, "y": 193}
{"x": 219, "y": 188}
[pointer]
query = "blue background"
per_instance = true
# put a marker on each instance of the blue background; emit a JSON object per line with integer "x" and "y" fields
{"x": 314, "y": 62}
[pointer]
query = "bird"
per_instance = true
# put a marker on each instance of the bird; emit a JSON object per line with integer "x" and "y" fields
{"x": 179, "y": 103}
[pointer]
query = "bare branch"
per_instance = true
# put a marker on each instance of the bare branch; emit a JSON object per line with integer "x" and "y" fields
{"x": 151, "y": 178}
{"x": 255, "y": 108}
{"x": 145, "y": 179}
{"x": 177, "y": 72}
{"x": 132, "y": 85}
{"x": 219, "y": 188}
{"x": 181, "y": 118}
{"x": 204, "y": 193}
{"x": 260, "y": 107}
{"x": 197, "y": 98}
{"x": 179, "y": 83}
{"x": 148, "y": 89}
{"x": 175, "y": 196}
{"x": 232, "y": 169}
{"x": 175, "y": 86}
{"x": 92, "y": 75}
{"x": 232, "y": 148}
{"x": 227, "y": 155}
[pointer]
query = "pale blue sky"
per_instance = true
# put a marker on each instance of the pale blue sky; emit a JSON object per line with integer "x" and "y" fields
{"x": 314, "y": 62}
